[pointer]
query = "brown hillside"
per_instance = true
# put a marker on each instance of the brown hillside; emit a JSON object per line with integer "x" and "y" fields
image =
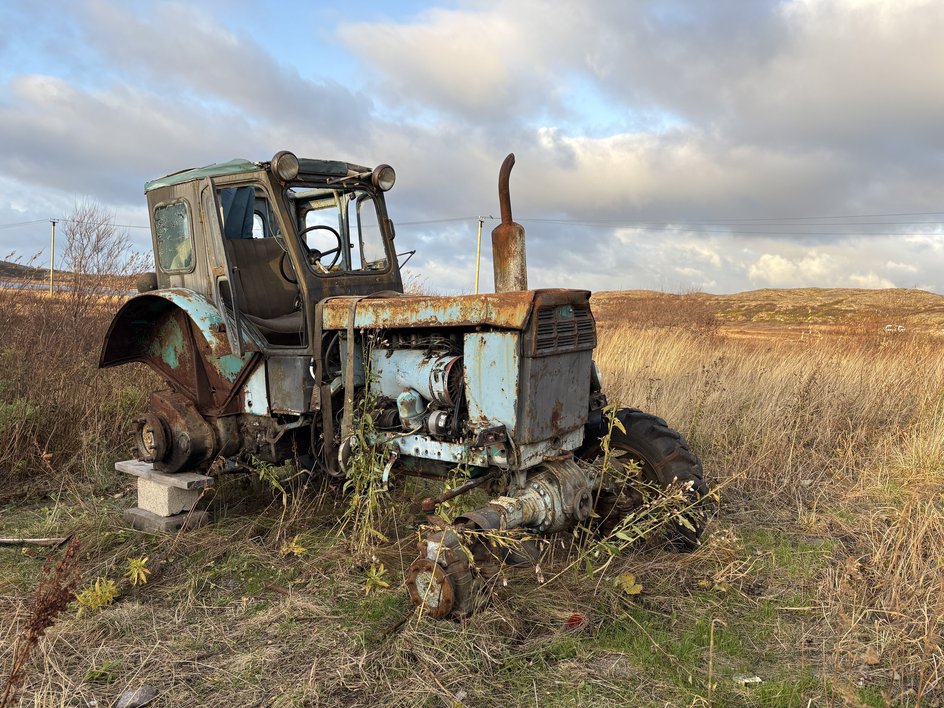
{"x": 767, "y": 310}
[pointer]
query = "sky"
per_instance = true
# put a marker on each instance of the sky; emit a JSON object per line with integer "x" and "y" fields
{"x": 678, "y": 146}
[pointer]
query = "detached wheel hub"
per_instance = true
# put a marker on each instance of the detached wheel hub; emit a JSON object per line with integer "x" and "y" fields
{"x": 152, "y": 438}
{"x": 430, "y": 587}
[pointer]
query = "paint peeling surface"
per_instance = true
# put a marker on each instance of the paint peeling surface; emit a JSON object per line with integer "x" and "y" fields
{"x": 255, "y": 395}
{"x": 510, "y": 310}
{"x": 147, "y": 307}
{"x": 182, "y": 336}
{"x": 422, "y": 446}
{"x": 491, "y": 379}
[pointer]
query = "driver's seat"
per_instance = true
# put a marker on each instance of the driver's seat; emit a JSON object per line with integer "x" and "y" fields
{"x": 264, "y": 296}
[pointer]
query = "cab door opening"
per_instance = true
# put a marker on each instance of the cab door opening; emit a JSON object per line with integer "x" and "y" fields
{"x": 264, "y": 280}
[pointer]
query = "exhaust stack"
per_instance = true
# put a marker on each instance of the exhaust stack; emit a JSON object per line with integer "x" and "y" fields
{"x": 508, "y": 251}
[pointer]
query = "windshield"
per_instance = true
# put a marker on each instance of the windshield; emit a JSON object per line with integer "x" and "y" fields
{"x": 340, "y": 228}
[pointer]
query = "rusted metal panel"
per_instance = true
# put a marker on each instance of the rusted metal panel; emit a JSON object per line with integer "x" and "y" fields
{"x": 182, "y": 336}
{"x": 510, "y": 310}
{"x": 555, "y": 395}
{"x": 204, "y": 314}
{"x": 492, "y": 370}
{"x": 290, "y": 384}
{"x": 255, "y": 395}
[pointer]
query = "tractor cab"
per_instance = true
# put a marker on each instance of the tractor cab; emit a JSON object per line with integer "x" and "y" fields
{"x": 265, "y": 241}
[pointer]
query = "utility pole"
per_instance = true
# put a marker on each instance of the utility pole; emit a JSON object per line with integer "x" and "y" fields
{"x": 52, "y": 253}
{"x": 478, "y": 251}
{"x": 478, "y": 254}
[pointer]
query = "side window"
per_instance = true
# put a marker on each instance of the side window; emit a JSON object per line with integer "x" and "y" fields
{"x": 246, "y": 214}
{"x": 372, "y": 251}
{"x": 174, "y": 237}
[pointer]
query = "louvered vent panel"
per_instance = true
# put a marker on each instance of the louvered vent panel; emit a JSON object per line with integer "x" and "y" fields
{"x": 564, "y": 328}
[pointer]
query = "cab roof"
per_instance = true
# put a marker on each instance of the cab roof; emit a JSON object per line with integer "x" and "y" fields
{"x": 308, "y": 166}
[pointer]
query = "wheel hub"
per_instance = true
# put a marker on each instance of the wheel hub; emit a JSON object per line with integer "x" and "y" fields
{"x": 152, "y": 438}
{"x": 430, "y": 587}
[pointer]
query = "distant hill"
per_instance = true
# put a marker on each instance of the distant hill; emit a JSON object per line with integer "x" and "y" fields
{"x": 806, "y": 307}
{"x": 831, "y": 305}
{"x": 11, "y": 272}
{"x": 22, "y": 272}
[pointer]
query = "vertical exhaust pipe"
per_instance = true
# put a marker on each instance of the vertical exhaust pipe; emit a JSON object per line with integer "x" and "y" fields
{"x": 508, "y": 251}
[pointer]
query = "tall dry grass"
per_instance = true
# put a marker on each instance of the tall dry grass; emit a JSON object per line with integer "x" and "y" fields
{"x": 61, "y": 418}
{"x": 835, "y": 415}
{"x": 840, "y": 437}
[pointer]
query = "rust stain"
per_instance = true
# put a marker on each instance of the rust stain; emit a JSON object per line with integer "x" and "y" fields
{"x": 509, "y": 310}
{"x": 556, "y": 412}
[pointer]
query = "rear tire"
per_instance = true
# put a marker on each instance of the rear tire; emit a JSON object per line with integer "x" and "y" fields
{"x": 664, "y": 458}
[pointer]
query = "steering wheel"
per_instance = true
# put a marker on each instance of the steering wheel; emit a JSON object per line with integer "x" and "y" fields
{"x": 315, "y": 256}
{"x": 283, "y": 271}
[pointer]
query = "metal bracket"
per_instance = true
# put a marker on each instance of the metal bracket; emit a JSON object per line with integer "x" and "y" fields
{"x": 490, "y": 436}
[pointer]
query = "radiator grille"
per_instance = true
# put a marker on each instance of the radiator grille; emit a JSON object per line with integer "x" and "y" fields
{"x": 562, "y": 328}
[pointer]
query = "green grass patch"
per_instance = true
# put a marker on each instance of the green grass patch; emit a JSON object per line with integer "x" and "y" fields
{"x": 780, "y": 553}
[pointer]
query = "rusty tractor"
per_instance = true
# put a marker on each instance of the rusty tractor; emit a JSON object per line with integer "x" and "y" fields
{"x": 277, "y": 303}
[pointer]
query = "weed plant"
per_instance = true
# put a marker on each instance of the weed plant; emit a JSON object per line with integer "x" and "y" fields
{"x": 363, "y": 477}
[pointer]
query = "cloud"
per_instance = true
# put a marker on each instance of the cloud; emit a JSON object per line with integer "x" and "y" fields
{"x": 186, "y": 51}
{"x": 870, "y": 280}
{"x": 789, "y": 103}
{"x": 648, "y": 134}
{"x": 901, "y": 267}
{"x": 450, "y": 59}
{"x": 110, "y": 141}
{"x": 825, "y": 267}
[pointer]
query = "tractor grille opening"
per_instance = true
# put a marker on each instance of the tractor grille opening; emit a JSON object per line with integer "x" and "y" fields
{"x": 564, "y": 328}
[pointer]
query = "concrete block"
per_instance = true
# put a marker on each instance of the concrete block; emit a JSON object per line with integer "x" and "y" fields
{"x": 163, "y": 500}
{"x": 184, "y": 480}
{"x": 144, "y": 520}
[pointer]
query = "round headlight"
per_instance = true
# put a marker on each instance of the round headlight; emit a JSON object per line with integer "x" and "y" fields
{"x": 383, "y": 177}
{"x": 285, "y": 165}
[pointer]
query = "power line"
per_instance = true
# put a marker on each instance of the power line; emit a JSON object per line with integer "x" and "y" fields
{"x": 668, "y": 224}
{"x": 772, "y": 219}
{"x": 73, "y": 221}
{"x": 104, "y": 223}
{"x": 438, "y": 221}
{"x": 656, "y": 227}
{"x": 681, "y": 228}
{"x": 23, "y": 223}
{"x": 671, "y": 225}
{"x": 761, "y": 222}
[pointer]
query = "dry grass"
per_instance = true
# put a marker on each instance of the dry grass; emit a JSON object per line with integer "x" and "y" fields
{"x": 61, "y": 418}
{"x": 822, "y": 574}
{"x": 835, "y": 438}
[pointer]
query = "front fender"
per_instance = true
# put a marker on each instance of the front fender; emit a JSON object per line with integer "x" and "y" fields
{"x": 182, "y": 336}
